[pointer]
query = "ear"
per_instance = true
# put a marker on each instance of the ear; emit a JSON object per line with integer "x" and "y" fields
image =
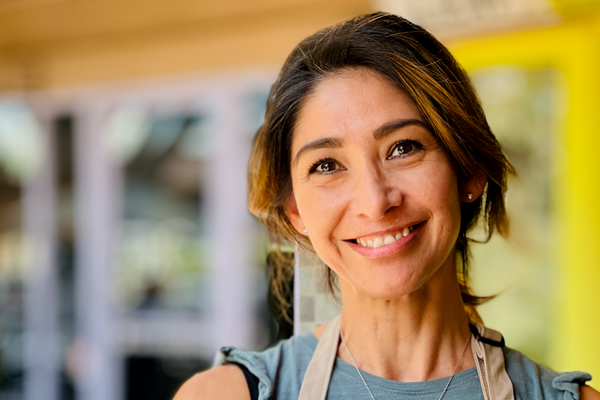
{"x": 473, "y": 186}
{"x": 291, "y": 209}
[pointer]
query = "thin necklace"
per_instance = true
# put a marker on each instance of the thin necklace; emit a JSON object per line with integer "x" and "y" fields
{"x": 367, "y": 386}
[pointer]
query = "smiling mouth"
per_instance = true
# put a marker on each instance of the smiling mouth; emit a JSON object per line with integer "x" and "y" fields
{"x": 376, "y": 241}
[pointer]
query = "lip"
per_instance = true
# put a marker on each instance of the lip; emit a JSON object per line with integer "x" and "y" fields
{"x": 389, "y": 249}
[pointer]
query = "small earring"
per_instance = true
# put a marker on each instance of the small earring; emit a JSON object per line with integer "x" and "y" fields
{"x": 304, "y": 230}
{"x": 470, "y": 196}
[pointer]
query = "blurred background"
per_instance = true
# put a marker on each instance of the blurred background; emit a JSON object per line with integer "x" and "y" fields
{"x": 127, "y": 255}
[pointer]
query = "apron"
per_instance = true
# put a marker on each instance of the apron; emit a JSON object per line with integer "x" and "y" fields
{"x": 486, "y": 345}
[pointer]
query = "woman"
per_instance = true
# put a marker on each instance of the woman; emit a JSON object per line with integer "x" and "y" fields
{"x": 376, "y": 154}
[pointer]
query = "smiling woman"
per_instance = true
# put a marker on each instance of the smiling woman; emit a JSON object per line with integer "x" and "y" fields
{"x": 381, "y": 205}
{"x": 376, "y": 155}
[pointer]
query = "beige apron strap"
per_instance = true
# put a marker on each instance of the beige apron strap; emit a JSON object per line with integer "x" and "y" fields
{"x": 318, "y": 373}
{"x": 489, "y": 359}
{"x": 487, "y": 352}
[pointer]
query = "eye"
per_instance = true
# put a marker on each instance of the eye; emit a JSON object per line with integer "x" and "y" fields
{"x": 324, "y": 166}
{"x": 404, "y": 148}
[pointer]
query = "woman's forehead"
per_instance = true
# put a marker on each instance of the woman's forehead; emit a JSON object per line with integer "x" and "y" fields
{"x": 350, "y": 103}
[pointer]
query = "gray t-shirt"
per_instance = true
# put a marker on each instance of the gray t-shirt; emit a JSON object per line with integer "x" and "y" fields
{"x": 280, "y": 371}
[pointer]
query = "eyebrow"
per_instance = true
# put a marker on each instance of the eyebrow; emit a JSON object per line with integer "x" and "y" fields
{"x": 393, "y": 126}
{"x": 379, "y": 133}
{"x": 327, "y": 143}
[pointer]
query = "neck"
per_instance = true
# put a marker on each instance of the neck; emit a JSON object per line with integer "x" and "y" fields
{"x": 417, "y": 337}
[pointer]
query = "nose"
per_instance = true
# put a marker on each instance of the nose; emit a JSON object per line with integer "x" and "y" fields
{"x": 374, "y": 194}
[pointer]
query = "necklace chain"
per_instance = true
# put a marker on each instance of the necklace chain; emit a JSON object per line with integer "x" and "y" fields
{"x": 367, "y": 386}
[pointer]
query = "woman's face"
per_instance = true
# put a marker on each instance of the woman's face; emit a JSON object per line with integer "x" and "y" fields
{"x": 377, "y": 195}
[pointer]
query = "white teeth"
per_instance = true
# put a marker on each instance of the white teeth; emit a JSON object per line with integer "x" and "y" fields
{"x": 388, "y": 239}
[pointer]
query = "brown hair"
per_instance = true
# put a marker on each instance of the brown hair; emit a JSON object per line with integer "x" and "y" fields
{"x": 420, "y": 66}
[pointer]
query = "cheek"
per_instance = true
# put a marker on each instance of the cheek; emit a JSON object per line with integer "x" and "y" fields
{"x": 321, "y": 209}
{"x": 445, "y": 206}
{"x": 322, "y": 212}
{"x": 434, "y": 190}
{"x": 442, "y": 183}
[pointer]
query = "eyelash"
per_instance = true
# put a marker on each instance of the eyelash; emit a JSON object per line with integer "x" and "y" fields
{"x": 417, "y": 146}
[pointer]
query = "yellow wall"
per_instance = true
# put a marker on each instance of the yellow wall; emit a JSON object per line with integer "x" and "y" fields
{"x": 573, "y": 47}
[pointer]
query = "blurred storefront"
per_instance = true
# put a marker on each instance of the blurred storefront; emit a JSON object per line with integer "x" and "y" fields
{"x": 127, "y": 255}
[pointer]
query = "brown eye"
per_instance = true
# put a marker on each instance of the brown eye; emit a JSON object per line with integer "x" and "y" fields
{"x": 327, "y": 166}
{"x": 405, "y": 148}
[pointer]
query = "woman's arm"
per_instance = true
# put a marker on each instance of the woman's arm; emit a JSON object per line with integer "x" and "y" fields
{"x": 226, "y": 382}
{"x": 588, "y": 393}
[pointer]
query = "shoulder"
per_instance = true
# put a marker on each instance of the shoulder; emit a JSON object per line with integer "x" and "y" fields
{"x": 293, "y": 351}
{"x": 279, "y": 369}
{"x": 220, "y": 383}
{"x": 535, "y": 381}
{"x": 588, "y": 393}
